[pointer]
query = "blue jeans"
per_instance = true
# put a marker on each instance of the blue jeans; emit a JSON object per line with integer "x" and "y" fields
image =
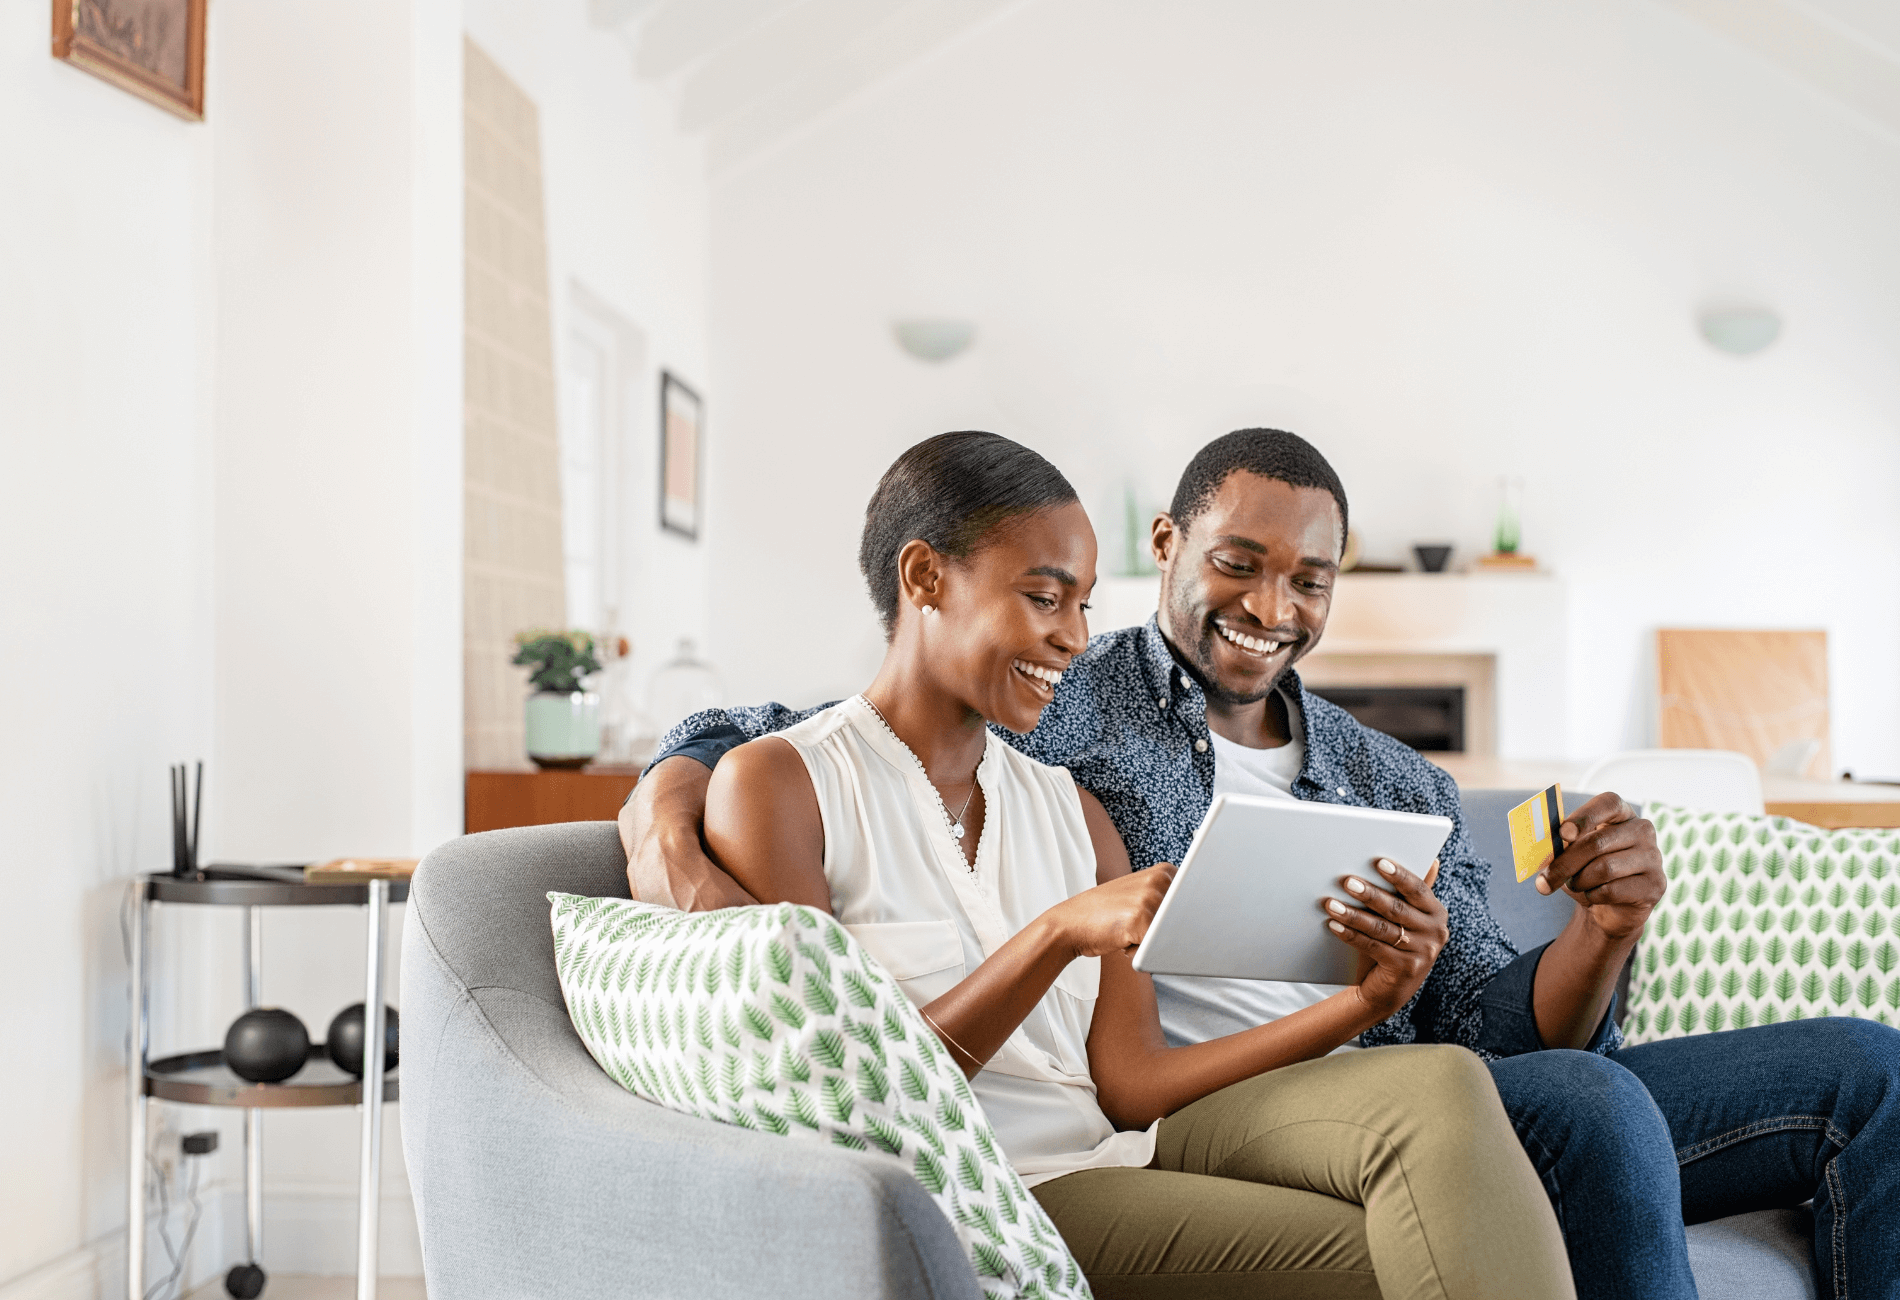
{"x": 1633, "y": 1145}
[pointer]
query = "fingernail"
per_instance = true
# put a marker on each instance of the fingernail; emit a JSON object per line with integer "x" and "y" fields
{"x": 1336, "y": 927}
{"x": 1357, "y": 887}
{"x": 1338, "y": 908}
{"x": 1543, "y": 885}
{"x": 1386, "y": 867}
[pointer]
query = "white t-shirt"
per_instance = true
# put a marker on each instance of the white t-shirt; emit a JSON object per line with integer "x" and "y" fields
{"x": 1197, "y": 1008}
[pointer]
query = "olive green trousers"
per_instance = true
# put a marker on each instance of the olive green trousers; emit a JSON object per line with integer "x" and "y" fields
{"x": 1390, "y": 1173}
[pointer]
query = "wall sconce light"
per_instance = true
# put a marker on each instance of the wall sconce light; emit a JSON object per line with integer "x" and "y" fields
{"x": 934, "y": 339}
{"x": 1740, "y": 331}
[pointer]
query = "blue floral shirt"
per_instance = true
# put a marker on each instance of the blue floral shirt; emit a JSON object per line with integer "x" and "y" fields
{"x": 1132, "y": 727}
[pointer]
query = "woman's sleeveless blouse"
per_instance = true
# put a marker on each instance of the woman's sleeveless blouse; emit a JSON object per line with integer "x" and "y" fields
{"x": 900, "y": 885}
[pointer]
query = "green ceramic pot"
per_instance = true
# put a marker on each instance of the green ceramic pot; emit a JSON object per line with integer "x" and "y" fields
{"x": 563, "y": 728}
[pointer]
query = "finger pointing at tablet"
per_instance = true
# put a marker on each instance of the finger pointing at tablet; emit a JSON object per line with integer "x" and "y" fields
{"x": 1401, "y": 933}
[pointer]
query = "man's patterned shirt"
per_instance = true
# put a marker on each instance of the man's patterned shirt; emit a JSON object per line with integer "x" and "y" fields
{"x": 1131, "y": 725}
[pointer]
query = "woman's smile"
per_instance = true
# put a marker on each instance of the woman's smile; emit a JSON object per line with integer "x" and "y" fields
{"x": 1042, "y": 678}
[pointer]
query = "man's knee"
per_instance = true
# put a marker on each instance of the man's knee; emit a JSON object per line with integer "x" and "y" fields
{"x": 1867, "y": 1045}
{"x": 1571, "y": 1101}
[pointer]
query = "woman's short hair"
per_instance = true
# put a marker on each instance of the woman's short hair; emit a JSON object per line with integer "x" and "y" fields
{"x": 951, "y": 491}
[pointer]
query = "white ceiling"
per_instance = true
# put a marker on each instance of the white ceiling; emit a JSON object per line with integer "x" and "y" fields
{"x": 748, "y": 73}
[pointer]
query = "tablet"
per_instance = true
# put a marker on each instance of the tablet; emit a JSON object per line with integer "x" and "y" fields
{"x": 1246, "y": 901}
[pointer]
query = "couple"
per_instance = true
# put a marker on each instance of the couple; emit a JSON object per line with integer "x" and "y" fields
{"x": 1181, "y": 1133}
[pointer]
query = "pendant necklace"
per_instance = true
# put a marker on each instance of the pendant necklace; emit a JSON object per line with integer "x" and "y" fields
{"x": 955, "y": 823}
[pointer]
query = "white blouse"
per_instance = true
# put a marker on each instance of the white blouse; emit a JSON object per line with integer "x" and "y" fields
{"x": 900, "y": 885}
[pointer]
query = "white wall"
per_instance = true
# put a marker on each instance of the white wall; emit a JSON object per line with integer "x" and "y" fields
{"x": 627, "y": 221}
{"x": 229, "y": 526}
{"x": 105, "y": 638}
{"x": 1446, "y": 242}
{"x": 337, "y": 496}
{"x": 230, "y": 476}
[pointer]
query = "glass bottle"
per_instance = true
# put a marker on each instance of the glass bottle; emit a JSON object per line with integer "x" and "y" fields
{"x": 681, "y": 688}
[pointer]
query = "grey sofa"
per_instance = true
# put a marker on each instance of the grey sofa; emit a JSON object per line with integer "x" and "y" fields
{"x": 534, "y": 1174}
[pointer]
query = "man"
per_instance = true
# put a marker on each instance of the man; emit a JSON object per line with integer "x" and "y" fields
{"x": 1629, "y": 1141}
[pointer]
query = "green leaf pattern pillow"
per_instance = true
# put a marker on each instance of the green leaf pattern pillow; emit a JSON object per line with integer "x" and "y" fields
{"x": 775, "y": 1019}
{"x": 1766, "y": 919}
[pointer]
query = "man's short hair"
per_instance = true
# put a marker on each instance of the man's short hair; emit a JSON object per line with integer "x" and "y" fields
{"x": 1270, "y": 453}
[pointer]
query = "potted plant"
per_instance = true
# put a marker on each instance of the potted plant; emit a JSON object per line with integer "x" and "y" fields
{"x": 563, "y": 718}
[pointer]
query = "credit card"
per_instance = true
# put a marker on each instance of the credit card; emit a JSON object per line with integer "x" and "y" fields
{"x": 1534, "y": 826}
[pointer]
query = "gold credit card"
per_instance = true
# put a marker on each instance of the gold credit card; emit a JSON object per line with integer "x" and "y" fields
{"x": 1534, "y": 826}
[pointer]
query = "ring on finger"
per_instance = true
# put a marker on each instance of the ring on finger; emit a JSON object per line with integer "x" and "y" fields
{"x": 1403, "y": 936}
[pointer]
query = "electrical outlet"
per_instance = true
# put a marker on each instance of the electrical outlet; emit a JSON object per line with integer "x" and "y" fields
{"x": 166, "y": 1146}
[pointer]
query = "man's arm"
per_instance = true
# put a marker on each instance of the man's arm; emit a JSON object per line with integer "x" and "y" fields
{"x": 1614, "y": 871}
{"x": 662, "y": 821}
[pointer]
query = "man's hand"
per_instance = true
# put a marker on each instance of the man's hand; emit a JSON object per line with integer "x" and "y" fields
{"x": 1398, "y": 936}
{"x": 1610, "y": 865}
{"x": 660, "y": 830}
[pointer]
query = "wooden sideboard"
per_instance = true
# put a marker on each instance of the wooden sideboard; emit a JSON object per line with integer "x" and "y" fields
{"x": 526, "y": 797}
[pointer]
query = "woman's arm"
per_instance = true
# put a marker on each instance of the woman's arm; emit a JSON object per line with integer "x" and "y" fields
{"x": 1139, "y": 1078}
{"x": 764, "y": 829}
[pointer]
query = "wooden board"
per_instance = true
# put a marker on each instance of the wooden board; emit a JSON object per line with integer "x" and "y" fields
{"x": 1863, "y": 814}
{"x": 497, "y": 800}
{"x": 1751, "y": 692}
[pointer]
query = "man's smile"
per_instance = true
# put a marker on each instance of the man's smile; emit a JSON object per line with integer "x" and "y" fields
{"x": 1256, "y": 643}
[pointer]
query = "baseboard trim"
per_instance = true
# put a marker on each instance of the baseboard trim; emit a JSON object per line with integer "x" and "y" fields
{"x": 308, "y": 1229}
{"x": 95, "y": 1270}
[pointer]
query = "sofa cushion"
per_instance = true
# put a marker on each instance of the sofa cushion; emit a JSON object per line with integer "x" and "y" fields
{"x": 774, "y": 1019}
{"x": 1766, "y": 919}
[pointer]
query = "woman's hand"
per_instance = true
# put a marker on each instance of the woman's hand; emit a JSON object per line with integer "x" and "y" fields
{"x": 1112, "y": 917}
{"x": 1400, "y": 934}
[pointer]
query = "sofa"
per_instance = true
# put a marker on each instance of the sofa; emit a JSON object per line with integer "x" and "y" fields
{"x": 533, "y": 1173}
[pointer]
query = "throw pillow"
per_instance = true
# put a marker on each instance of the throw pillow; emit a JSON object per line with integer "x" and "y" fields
{"x": 776, "y": 1020}
{"x": 1766, "y": 919}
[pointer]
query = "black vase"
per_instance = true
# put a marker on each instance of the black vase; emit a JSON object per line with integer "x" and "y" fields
{"x": 266, "y": 1045}
{"x": 344, "y": 1042}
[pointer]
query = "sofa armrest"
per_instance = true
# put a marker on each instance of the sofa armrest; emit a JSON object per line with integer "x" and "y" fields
{"x": 536, "y": 1174}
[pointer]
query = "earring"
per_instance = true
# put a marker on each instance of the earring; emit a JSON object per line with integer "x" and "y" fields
{"x": 928, "y": 610}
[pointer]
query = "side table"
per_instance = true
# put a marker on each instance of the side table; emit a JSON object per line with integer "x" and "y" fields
{"x": 496, "y": 800}
{"x": 200, "y": 1078}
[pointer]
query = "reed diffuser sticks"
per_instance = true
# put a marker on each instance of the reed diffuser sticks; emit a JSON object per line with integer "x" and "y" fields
{"x": 187, "y": 809}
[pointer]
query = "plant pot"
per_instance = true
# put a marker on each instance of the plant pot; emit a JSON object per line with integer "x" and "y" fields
{"x": 563, "y": 728}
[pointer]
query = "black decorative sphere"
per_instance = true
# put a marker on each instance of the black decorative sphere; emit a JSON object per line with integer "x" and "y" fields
{"x": 245, "y": 1282}
{"x": 266, "y": 1045}
{"x": 345, "y": 1039}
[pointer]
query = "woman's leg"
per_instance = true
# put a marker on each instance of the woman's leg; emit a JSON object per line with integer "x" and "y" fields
{"x": 1149, "y": 1234}
{"x": 1452, "y": 1209}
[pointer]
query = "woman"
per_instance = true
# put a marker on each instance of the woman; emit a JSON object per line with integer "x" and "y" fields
{"x": 1001, "y": 898}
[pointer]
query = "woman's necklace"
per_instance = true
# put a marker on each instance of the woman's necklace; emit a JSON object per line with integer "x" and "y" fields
{"x": 955, "y": 823}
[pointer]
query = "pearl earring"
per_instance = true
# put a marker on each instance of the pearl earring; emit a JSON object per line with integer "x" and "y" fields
{"x": 928, "y": 610}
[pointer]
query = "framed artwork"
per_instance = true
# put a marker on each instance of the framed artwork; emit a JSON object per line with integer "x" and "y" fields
{"x": 682, "y": 431}
{"x": 153, "y": 48}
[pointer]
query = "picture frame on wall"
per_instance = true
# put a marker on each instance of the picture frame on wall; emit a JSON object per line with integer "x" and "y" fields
{"x": 682, "y": 453}
{"x": 153, "y": 48}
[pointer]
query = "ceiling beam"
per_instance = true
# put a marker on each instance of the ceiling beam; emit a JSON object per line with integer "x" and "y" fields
{"x": 919, "y": 30}
{"x": 775, "y": 53}
{"x": 1824, "y": 54}
{"x": 681, "y": 32}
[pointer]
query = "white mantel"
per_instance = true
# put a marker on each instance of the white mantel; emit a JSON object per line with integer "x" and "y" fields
{"x": 1520, "y": 618}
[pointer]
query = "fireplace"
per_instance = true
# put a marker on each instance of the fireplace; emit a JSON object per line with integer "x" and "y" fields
{"x": 1430, "y": 718}
{"x": 1436, "y": 703}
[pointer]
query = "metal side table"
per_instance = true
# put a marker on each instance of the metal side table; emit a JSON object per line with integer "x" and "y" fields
{"x": 200, "y": 1078}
